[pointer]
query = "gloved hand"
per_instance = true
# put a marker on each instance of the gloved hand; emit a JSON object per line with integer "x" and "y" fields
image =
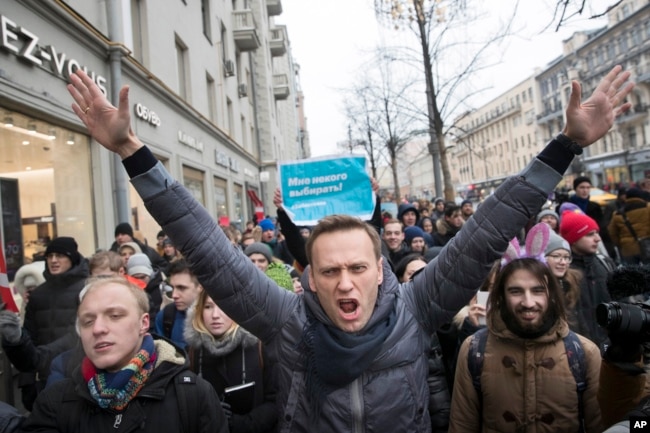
{"x": 10, "y": 326}
{"x": 227, "y": 410}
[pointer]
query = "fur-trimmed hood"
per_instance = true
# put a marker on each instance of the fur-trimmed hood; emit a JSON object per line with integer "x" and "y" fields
{"x": 216, "y": 346}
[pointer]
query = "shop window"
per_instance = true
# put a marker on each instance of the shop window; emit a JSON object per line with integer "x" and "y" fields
{"x": 48, "y": 167}
{"x": 220, "y": 197}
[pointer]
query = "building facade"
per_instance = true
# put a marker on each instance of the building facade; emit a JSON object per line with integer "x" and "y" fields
{"x": 499, "y": 138}
{"x": 213, "y": 91}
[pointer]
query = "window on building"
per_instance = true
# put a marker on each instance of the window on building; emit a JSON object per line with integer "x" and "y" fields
{"x": 623, "y": 43}
{"x": 632, "y": 138}
{"x": 211, "y": 90}
{"x": 244, "y": 131}
{"x": 182, "y": 68}
{"x": 635, "y": 36}
{"x": 205, "y": 19}
{"x": 193, "y": 180}
{"x": 238, "y": 209}
{"x": 221, "y": 197}
{"x": 611, "y": 51}
{"x": 224, "y": 44}
{"x": 230, "y": 119}
{"x": 138, "y": 30}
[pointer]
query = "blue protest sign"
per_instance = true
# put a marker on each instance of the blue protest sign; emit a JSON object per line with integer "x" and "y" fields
{"x": 315, "y": 188}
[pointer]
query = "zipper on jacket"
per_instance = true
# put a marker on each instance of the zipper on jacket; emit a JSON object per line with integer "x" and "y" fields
{"x": 356, "y": 400}
{"x": 118, "y": 421}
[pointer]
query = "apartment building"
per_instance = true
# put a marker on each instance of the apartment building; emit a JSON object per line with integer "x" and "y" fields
{"x": 496, "y": 140}
{"x": 214, "y": 93}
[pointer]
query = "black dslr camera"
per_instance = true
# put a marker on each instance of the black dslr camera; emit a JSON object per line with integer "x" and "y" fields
{"x": 626, "y": 320}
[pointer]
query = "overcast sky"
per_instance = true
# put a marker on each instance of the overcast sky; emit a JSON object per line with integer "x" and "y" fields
{"x": 329, "y": 40}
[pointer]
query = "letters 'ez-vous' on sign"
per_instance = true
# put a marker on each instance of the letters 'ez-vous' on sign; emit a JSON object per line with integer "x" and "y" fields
{"x": 314, "y": 188}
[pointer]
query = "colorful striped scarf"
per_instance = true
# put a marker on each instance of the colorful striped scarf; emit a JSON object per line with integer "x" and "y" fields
{"x": 115, "y": 390}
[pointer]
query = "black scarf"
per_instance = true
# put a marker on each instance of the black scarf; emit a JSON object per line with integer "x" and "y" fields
{"x": 335, "y": 358}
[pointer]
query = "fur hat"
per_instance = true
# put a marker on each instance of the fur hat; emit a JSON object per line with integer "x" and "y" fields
{"x": 574, "y": 226}
{"x": 67, "y": 246}
{"x": 124, "y": 229}
{"x": 580, "y": 179}
{"x": 259, "y": 248}
{"x": 29, "y": 275}
{"x": 139, "y": 264}
{"x": 411, "y": 233}
{"x": 266, "y": 225}
{"x": 546, "y": 212}
{"x": 556, "y": 242}
{"x": 134, "y": 246}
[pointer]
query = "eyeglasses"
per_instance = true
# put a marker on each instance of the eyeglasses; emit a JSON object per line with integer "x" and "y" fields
{"x": 560, "y": 258}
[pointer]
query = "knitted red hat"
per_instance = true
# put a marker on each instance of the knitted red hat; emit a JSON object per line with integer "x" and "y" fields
{"x": 575, "y": 225}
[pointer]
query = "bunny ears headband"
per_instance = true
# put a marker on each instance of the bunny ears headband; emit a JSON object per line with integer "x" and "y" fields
{"x": 537, "y": 240}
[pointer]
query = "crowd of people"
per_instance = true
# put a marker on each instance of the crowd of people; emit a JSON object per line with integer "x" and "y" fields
{"x": 442, "y": 318}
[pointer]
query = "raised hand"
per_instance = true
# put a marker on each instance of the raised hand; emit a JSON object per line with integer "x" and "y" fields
{"x": 590, "y": 120}
{"x": 110, "y": 126}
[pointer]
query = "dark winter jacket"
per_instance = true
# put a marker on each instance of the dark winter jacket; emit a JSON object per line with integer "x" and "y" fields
{"x": 52, "y": 307}
{"x": 232, "y": 360}
{"x": 593, "y": 291}
{"x": 443, "y": 233}
{"x": 278, "y": 317}
{"x": 67, "y": 406}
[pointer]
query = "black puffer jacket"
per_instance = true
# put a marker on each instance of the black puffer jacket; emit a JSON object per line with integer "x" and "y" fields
{"x": 593, "y": 291}
{"x": 278, "y": 317}
{"x": 52, "y": 307}
{"x": 67, "y": 406}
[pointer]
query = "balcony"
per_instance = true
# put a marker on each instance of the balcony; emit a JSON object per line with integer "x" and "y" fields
{"x": 280, "y": 86}
{"x": 273, "y": 7}
{"x": 277, "y": 41}
{"x": 244, "y": 30}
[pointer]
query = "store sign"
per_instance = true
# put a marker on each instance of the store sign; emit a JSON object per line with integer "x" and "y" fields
{"x": 28, "y": 46}
{"x": 222, "y": 159}
{"x": 190, "y": 141}
{"x": 149, "y": 116}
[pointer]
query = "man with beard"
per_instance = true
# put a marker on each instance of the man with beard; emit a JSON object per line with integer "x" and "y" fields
{"x": 526, "y": 382}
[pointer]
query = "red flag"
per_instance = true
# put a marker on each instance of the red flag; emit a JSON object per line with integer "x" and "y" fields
{"x": 5, "y": 290}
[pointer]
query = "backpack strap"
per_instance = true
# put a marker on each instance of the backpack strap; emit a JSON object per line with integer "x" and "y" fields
{"x": 169, "y": 316}
{"x": 186, "y": 398}
{"x": 475, "y": 358}
{"x": 576, "y": 357}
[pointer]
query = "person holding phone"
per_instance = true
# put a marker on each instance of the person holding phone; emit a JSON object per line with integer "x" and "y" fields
{"x": 225, "y": 354}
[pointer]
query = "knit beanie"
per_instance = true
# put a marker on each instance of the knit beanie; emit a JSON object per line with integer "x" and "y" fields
{"x": 259, "y": 248}
{"x": 546, "y": 212}
{"x": 67, "y": 246}
{"x": 266, "y": 224}
{"x": 411, "y": 233}
{"x": 574, "y": 226}
{"x": 124, "y": 229}
{"x": 135, "y": 247}
{"x": 279, "y": 273}
{"x": 580, "y": 179}
{"x": 464, "y": 202}
{"x": 139, "y": 264}
{"x": 556, "y": 242}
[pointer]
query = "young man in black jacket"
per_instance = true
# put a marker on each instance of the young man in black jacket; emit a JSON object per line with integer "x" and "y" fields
{"x": 127, "y": 378}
